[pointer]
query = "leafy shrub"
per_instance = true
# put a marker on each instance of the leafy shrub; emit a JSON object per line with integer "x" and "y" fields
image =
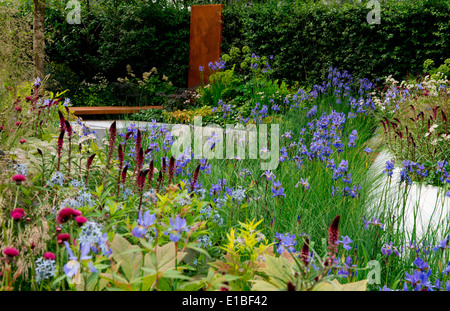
{"x": 309, "y": 37}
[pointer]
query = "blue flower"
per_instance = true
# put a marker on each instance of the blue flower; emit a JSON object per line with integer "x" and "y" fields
{"x": 72, "y": 267}
{"x": 285, "y": 241}
{"x": 177, "y": 226}
{"x": 345, "y": 242}
{"x": 442, "y": 244}
{"x": 143, "y": 223}
{"x": 388, "y": 249}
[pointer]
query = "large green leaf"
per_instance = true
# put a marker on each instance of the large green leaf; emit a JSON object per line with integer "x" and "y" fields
{"x": 128, "y": 256}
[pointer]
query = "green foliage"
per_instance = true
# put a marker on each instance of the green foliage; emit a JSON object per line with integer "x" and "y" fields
{"x": 308, "y": 38}
{"x": 112, "y": 35}
{"x": 437, "y": 73}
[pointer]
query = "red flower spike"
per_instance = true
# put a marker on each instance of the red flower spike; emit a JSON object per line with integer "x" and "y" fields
{"x": 69, "y": 129}
{"x": 138, "y": 140}
{"x": 62, "y": 121}
{"x": 89, "y": 162}
{"x": 150, "y": 173}
{"x": 304, "y": 255}
{"x": 121, "y": 156}
{"x": 171, "y": 168}
{"x": 333, "y": 234}
{"x": 124, "y": 174}
{"x": 195, "y": 177}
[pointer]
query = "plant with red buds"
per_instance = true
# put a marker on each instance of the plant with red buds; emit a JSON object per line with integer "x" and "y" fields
{"x": 304, "y": 255}
{"x": 112, "y": 141}
{"x": 195, "y": 178}
{"x": 62, "y": 121}
{"x": 124, "y": 174}
{"x": 159, "y": 181}
{"x": 60, "y": 147}
{"x": 69, "y": 135}
{"x": 171, "y": 169}
{"x": 333, "y": 237}
{"x": 138, "y": 140}
{"x": 150, "y": 173}
{"x": 139, "y": 160}
{"x": 88, "y": 166}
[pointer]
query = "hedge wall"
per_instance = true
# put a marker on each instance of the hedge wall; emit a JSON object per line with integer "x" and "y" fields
{"x": 115, "y": 33}
{"x": 307, "y": 38}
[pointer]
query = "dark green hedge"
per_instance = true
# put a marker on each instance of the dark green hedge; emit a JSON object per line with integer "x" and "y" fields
{"x": 307, "y": 38}
{"x": 115, "y": 33}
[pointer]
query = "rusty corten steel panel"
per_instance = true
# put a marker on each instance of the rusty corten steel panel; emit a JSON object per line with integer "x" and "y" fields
{"x": 205, "y": 40}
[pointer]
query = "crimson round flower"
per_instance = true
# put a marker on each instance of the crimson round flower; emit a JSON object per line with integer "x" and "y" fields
{"x": 18, "y": 108}
{"x": 19, "y": 178}
{"x": 63, "y": 237}
{"x": 18, "y": 213}
{"x": 22, "y": 141}
{"x": 80, "y": 220}
{"x": 49, "y": 256}
{"x": 18, "y": 123}
{"x": 10, "y": 252}
{"x": 66, "y": 214}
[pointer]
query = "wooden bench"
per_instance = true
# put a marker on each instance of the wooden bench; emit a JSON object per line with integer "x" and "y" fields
{"x": 80, "y": 111}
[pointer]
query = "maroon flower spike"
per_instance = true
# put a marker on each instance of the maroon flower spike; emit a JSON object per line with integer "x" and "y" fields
{"x": 171, "y": 168}
{"x": 18, "y": 213}
{"x": 60, "y": 147}
{"x": 89, "y": 162}
{"x": 164, "y": 165}
{"x": 124, "y": 174}
{"x": 80, "y": 220}
{"x": 141, "y": 179}
{"x": 444, "y": 117}
{"x": 195, "y": 178}
{"x": 62, "y": 121}
{"x": 63, "y": 237}
{"x": 139, "y": 160}
{"x": 138, "y": 140}
{"x": 49, "y": 256}
{"x": 388, "y": 124}
{"x": 69, "y": 129}
{"x": 128, "y": 135}
{"x": 10, "y": 252}
{"x": 435, "y": 112}
{"x": 121, "y": 156}
{"x": 19, "y": 178}
{"x": 384, "y": 125}
{"x": 150, "y": 173}
{"x": 333, "y": 235}
{"x": 112, "y": 140}
{"x": 304, "y": 255}
{"x": 159, "y": 181}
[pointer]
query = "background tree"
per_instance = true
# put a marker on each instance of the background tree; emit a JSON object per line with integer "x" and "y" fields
{"x": 38, "y": 38}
